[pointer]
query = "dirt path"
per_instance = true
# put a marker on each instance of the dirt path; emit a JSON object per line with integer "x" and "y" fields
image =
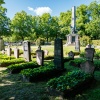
{"x": 2, "y": 68}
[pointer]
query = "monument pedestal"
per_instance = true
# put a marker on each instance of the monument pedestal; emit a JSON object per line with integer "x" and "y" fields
{"x": 72, "y": 38}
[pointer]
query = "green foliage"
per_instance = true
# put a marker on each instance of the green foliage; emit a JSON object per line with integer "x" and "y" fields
{"x": 40, "y": 41}
{"x": 96, "y": 42}
{"x": 68, "y": 81}
{"x": 38, "y": 71}
{"x": 18, "y": 67}
{"x": 4, "y": 22}
{"x": 22, "y": 25}
{"x": 41, "y": 73}
{"x": 5, "y": 63}
{"x": 84, "y": 40}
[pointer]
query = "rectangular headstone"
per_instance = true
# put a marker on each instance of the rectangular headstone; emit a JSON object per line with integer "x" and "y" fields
{"x": 27, "y": 51}
{"x": 58, "y": 54}
{"x": 16, "y": 52}
{"x": 89, "y": 53}
{"x": 40, "y": 57}
{"x": 9, "y": 51}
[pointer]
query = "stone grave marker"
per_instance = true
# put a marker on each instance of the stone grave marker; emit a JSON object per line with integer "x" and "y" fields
{"x": 46, "y": 52}
{"x": 9, "y": 51}
{"x": 16, "y": 52}
{"x": 40, "y": 57}
{"x": 89, "y": 53}
{"x": 58, "y": 54}
{"x": 87, "y": 67}
{"x": 71, "y": 54}
{"x": 27, "y": 52}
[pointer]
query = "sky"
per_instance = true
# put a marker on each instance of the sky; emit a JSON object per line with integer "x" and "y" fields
{"x": 38, "y": 7}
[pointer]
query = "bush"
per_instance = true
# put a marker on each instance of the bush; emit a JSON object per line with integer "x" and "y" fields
{"x": 16, "y": 68}
{"x": 40, "y": 41}
{"x": 85, "y": 40}
{"x": 68, "y": 81}
{"x": 5, "y": 63}
{"x": 41, "y": 73}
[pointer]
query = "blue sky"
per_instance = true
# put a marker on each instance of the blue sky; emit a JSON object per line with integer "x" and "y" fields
{"x": 38, "y": 7}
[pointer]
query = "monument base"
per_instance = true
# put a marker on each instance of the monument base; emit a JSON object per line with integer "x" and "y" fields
{"x": 73, "y": 40}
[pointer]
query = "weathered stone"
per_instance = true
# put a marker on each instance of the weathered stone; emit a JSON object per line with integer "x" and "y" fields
{"x": 87, "y": 67}
{"x": 16, "y": 52}
{"x": 46, "y": 52}
{"x": 71, "y": 54}
{"x": 27, "y": 51}
{"x": 40, "y": 57}
{"x": 89, "y": 53}
{"x": 58, "y": 54}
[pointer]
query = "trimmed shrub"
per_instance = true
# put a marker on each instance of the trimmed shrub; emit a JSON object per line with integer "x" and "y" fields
{"x": 16, "y": 68}
{"x": 41, "y": 73}
{"x": 5, "y": 63}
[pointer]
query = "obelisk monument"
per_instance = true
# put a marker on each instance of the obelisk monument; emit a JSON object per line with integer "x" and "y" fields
{"x": 73, "y": 37}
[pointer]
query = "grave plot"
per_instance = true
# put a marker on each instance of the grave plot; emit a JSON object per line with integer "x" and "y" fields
{"x": 70, "y": 84}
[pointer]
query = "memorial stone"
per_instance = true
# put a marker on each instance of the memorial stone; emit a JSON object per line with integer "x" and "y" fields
{"x": 40, "y": 57}
{"x": 71, "y": 54}
{"x": 46, "y": 52}
{"x": 16, "y": 52}
{"x": 1, "y": 44}
{"x": 9, "y": 50}
{"x": 58, "y": 54}
{"x": 89, "y": 53}
{"x": 87, "y": 67}
{"x": 27, "y": 52}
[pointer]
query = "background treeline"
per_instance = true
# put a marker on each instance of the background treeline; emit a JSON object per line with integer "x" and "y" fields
{"x": 47, "y": 27}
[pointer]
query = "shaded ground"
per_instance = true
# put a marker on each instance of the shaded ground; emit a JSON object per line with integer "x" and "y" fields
{"x": 13, "y": 88}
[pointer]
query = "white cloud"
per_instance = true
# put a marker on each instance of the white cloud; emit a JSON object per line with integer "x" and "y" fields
{"x": 40, "y": 10}
{"x": 31, "y": 9}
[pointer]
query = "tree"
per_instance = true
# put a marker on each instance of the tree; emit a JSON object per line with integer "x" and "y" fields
{"x": 65, "y": 23}
{"x": 22, "y": 25}
{"x": 4, "y": 22}
{"x": 2, "y": 2}
{"x": 82, "y": 18}
{"x": 93, "y": 27}
{"x": 45, "y": 24}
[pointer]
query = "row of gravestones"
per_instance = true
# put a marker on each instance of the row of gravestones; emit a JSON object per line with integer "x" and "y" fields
{"x": 58, "y": 55}
{"x": 27, "y": 53}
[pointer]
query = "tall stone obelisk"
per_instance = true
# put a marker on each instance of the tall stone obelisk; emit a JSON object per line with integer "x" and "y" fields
{"x": 73, "y": 22}
{"x": 73, "y": 37}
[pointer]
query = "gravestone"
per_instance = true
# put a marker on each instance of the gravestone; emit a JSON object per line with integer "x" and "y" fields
{"x": 40, "y": 57}
{"x": 1, "y": 44}
{"x": 9, "y": 50}
{"x": 16, "y": 52}
{"x": 71, "y": 54}
{"x": 77, "y": 44}
{"x": 27, "y": 52}
{"x": 88, "y": 46}
{"x": 89, "y": 53}
{"x": 87, "y": 67}
{"x": 46, "y": 52}
{"x": 58, "y": 54}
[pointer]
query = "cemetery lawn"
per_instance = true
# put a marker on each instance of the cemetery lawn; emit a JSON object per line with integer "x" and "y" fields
{"x": 13, "y": 88}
